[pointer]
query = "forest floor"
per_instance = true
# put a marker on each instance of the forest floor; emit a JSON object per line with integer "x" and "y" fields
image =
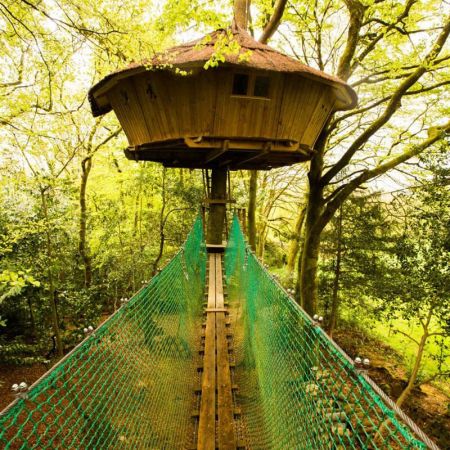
{"x": 10, "y": 374}
{"x": 428, "y": 406}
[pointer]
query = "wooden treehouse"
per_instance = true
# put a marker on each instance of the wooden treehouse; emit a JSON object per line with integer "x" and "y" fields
{"x": 257, "y": 110}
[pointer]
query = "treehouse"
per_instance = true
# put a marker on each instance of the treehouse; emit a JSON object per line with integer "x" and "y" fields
{"x": 258, "y": 109}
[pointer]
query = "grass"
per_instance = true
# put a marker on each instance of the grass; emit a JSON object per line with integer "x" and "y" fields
{"x": 435, "y": 348}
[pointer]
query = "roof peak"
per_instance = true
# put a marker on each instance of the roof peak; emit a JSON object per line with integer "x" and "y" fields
{"x": 241, "y": 36}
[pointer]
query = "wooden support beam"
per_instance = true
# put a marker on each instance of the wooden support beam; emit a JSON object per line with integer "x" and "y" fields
{"x": 217, "y": 211}
{"x": 267, "y": 149}
{"x": 214, "y": 154}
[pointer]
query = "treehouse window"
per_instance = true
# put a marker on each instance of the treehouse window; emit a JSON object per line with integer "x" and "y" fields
{"x": 251, "y": 85}
{"x": 240, "y": 84}
{"x": 261, "y": 88}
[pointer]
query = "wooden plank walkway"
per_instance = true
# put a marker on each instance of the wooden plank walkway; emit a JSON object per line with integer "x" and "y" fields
{"x": 216, "y": 422}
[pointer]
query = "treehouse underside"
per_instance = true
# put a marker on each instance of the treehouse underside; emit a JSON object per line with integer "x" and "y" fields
{"x": 214, "y": 152}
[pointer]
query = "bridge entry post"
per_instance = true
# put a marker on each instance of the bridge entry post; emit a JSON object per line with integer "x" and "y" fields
{"x": 217, "y": 206}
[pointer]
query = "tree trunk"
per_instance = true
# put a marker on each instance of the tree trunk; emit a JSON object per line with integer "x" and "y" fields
{"x": 415, "y": 371}
{"x": 294, "y": 246}
{"x": 337, "y": 275}
{"x": 162, "y": 236}
{"x": 217, "y": 210}
{"x": 32, "y": 319}
{"x": 262, "y": 237}
{"x": 241, "y": 8}
{"x": 420, "y": 350}
{"x": 252, "y": 209}
{"x": 83, "y": 248}
{"x": 51, "y": 283}
{"x": 306, "y": 286}
{"x": 307, "y": 279}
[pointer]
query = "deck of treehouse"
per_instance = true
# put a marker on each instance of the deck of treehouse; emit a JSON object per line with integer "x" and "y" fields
{"x": 211, "y": 354}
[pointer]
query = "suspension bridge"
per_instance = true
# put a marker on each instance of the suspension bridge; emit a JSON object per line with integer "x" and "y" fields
{"x": 212, "y": 354}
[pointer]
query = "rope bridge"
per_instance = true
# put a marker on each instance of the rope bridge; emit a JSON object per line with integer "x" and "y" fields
{"x": 134, "y": 382}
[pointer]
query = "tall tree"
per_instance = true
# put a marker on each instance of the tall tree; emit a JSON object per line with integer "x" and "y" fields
{"x": 333, "y": 176}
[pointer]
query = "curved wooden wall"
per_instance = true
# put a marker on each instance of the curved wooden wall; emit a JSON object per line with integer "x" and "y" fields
{"x": 159, "y": 105}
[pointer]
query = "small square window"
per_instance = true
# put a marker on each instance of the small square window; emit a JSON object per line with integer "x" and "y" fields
{"x": 240, "y": 84}
{"x": 262, "y": 85}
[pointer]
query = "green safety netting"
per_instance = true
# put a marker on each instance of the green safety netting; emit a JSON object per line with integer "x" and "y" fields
{"x": 297, "y": 390}
{"x": 130, "y": 384}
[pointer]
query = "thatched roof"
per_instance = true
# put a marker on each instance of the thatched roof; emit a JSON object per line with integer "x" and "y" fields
{"x": 198, "y": 52}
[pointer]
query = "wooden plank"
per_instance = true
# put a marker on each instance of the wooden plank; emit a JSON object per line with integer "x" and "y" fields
{"x": 318, "y": 117}
{"x": 207, "y": 422}
{"x": 166, "y": 121}
{"x": 226, "y": 436}
{"x": 218, "y": 280}
{"x": 146, "y": 91}
{"x": 127, "y": 108}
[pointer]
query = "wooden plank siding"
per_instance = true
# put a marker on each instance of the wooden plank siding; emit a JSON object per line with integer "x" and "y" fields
{"x": 318, "y": 117}
{"x": 298, "y": 104}
{"x": 125, "y": 102}
{"x": 145, "y": 86}
{"x": 159, "y": 107}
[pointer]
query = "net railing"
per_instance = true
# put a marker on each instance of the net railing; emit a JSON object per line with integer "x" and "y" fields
{"x": 297, "y": 390}
{"x": 130, "y": 384}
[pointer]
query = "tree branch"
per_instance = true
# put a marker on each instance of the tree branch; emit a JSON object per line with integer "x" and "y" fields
{"x": 437, "y": 134}
{"x": 408, "y": 336}
{"x": 356, "y": 10}
{"x": 380, "y": 36}
{"x": 274, "y": 21}
{"x": 391, "y": 108}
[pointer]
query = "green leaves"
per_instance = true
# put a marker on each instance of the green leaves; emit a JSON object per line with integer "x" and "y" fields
{"x": 12, "y": 283}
